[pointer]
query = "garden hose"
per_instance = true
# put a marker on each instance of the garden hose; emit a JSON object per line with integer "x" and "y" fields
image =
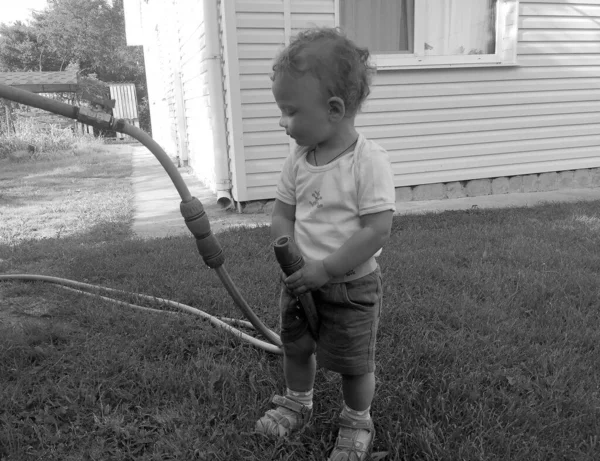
{"x": 191, "y": 209}
{"x": 220, "y": 322}
{"x": 290, "y": 259}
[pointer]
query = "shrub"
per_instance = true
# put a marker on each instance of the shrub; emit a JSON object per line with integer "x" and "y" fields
{"x": 36, "y": 141}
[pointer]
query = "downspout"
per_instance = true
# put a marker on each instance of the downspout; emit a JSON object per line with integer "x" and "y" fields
{"x": 215, "y": 93}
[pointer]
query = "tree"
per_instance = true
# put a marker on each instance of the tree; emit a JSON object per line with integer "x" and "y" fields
{"x": 89, "y": 34}
{"x": 22, "y": 49}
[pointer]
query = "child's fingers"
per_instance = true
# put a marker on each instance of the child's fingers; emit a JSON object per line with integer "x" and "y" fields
{"x": 301, "y": 290}
{"x": 288, "y": 298}
{"x": 294, "y": 279}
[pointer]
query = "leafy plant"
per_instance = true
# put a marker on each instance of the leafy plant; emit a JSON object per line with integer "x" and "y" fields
{"x": 32, "y": 140}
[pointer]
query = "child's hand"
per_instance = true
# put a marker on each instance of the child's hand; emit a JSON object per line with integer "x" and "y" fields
{"x": 288, "y": 300}
{"x": 312, "y": 276}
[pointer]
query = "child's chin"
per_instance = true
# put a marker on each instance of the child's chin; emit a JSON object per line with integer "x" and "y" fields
{"x": 302, "y": 142}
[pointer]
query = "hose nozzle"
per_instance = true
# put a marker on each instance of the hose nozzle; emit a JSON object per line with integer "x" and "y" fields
{"x": 290, "y": 260}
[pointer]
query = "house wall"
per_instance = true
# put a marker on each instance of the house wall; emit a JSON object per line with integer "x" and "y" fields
{"x": 263, "y": 28}
{"x": 232, "y": 55}
{"x": 460, "y": 124}
{"x": 167, "y": 38}
{"x": 194, "y": 81}
{"x": 156, "y": 22}
{"x": 259, "y": 33}
{"x": 176, "y": 63}
{"x": 159, "y": 112}
{"x": 442, "y": 125}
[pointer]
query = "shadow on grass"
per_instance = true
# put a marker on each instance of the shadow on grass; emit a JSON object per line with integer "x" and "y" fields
{"x": 110, "y": 373}
{"x": 63, "y": 196}
{"x": 17, "y": 201}
{"x": 487, "y": 346}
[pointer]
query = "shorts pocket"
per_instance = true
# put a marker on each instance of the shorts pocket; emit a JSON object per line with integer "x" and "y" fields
{"x": 364, "y": 293}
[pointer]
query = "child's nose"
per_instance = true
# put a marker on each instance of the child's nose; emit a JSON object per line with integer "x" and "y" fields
{"x": 283, "y": 121}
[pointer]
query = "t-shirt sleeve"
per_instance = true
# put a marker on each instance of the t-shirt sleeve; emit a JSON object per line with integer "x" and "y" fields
{"x": 286, "y": 187}
{"x": 375, "y": 182}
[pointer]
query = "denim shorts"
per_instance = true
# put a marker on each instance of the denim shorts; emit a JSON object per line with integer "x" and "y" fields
{"x": 349, "y": 317}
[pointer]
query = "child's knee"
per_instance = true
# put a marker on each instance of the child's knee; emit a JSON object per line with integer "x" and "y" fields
{"x": 301, "y": 349}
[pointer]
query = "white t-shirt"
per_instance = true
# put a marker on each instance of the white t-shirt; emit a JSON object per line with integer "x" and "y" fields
{"x": 330, "y": 199}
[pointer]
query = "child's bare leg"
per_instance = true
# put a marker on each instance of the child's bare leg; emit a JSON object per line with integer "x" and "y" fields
{"x": 293, "y": 410}
{"x": 358, "y": 390}
{"x": 300, "y": 364}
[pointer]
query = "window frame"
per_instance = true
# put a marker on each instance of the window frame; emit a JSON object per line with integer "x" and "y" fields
{"x": 506, "y": 43}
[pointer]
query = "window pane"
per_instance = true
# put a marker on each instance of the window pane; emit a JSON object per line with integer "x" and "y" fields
{"x": 459, "y": 27}
{"x": 383, "y": 26}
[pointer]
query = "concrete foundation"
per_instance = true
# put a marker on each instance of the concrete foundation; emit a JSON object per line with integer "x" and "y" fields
{"x": 541, "y": 182}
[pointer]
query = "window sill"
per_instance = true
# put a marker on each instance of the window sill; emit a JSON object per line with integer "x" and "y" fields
{"x": 384, "y": 67}
{"x": 399, "y": 61}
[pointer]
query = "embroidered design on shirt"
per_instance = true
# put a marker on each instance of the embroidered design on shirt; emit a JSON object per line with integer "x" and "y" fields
{"x": 317, "y": 202}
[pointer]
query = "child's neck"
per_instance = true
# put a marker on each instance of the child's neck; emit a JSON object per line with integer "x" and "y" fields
{"x": 338, "y": 144}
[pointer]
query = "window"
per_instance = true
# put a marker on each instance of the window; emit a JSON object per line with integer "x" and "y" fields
{"x": 384, "y": 26}
{"x": 433, "y": 33}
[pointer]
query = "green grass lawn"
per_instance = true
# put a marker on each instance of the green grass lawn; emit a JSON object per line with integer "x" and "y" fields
{"x": 488, "y": 347}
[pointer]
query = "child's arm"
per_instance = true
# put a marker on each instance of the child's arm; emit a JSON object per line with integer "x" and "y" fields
{"x": 375, "y": 232}
{"x": 282, "y": 219}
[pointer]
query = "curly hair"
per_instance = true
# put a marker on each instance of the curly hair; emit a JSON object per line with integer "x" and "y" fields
{"x": 340, "y": 65}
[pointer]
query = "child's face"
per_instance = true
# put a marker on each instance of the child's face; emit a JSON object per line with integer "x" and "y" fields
{"x": 304, "y": 109}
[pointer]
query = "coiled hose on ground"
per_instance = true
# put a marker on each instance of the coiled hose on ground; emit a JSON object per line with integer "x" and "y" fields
{"x": 191, "y": 209}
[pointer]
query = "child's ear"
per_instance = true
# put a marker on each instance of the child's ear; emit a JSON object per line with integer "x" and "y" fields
{"x": 337, "y": 108}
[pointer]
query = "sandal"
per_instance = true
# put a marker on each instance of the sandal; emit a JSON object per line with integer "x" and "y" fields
{"x": 289, "y": 416}
{"x": 347, "y": 448}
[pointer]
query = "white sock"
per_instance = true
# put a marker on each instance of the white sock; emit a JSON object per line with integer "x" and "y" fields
{"x": 356, "y": 415}
{"x": 305, "y": 398}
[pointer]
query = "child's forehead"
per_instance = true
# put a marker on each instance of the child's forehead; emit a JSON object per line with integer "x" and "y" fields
{"x": 288, "y": 85}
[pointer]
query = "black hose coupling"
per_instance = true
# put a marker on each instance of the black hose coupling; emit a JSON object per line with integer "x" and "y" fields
{"x": 118, "y": 125}
{"x": 197, "y": 222}
{"x": 97, "y": 119}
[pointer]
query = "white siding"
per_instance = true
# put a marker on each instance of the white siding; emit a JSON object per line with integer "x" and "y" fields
{"x": 311, "y": 13}
{"x": 227, "y": 106}
{"x": 459, "y": 124}
{"x": 194, "y": 81}
{"x": 444, "y": 125}
{"x": 263, "y": 28}
{"x": 155, "y": 77}
{"x": 175, "y": 44}
{"x": 261, "y": 34}
{"x": 230, "y": 40}
{"x": 166, "y": 42}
